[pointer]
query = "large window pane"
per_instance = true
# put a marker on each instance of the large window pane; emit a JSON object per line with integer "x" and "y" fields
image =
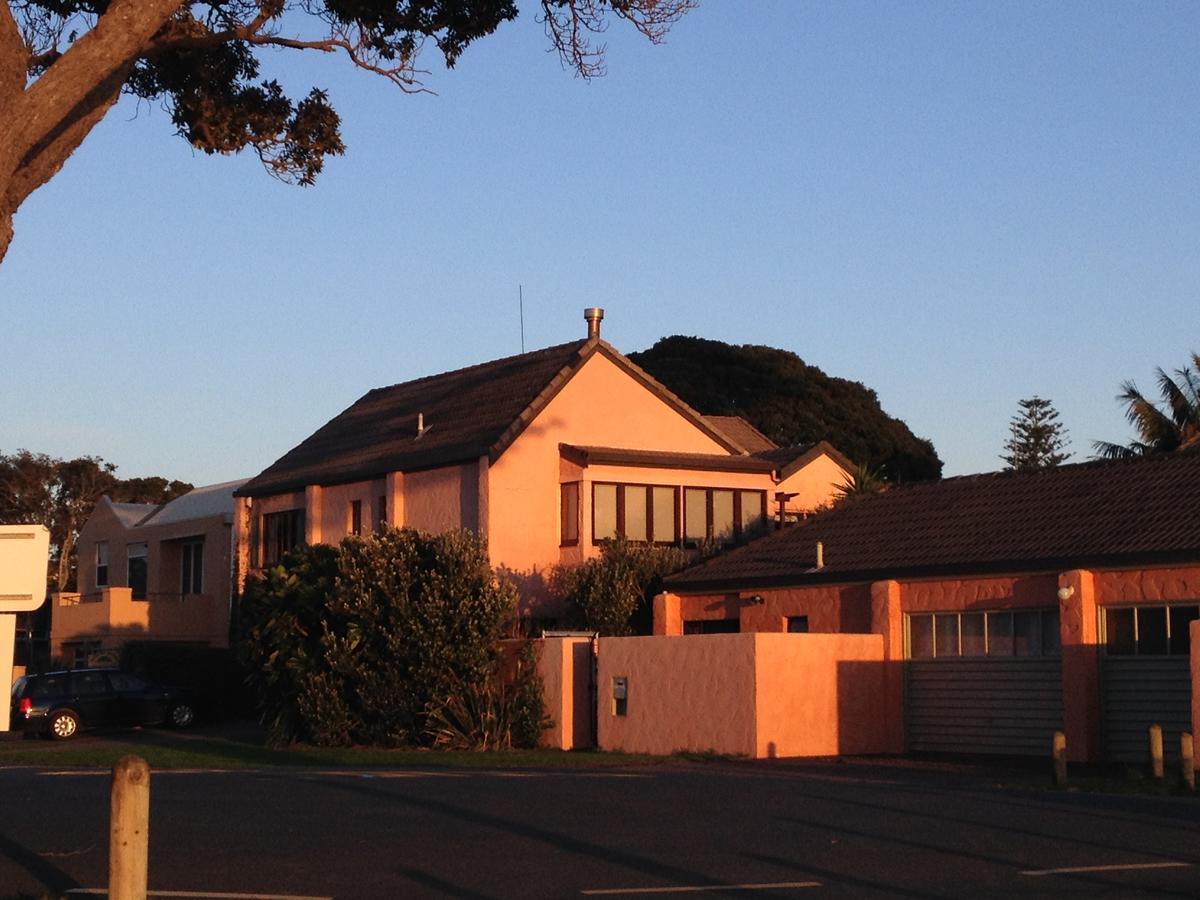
{"x": 920, "y": 637}
{"x": 570, "y": 512}
{"x": 1027, "y": 634}
{"x": 695, "y": 514}
{"x": 1000, "y": 634}
{"x": 136, "y": 555}
{"x": 722, "y": 503}
{"x": 1181, "y": 617}
{"x": 664, "y": 515}
{"x": 604, "y": 511}
{"x": 972, "y": 634}
{"x": 752, "y": 511}
{"x": 1118, "y": 632}
{"x": 635, "y": 513}
{"x": 1051, "y": 633}
{"x": 946, "y": 631}
{"x": 1151, "y": 631}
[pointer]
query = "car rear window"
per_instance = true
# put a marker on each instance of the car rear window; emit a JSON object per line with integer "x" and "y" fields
{"x": 88, "y": 683}
{"x": 18, "y": 686}
{"x": 49, "y": 686}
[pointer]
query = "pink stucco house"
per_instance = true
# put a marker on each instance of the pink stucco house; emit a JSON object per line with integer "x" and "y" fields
{"x": 546, "y": 454}
{"x": 149, "y": 572}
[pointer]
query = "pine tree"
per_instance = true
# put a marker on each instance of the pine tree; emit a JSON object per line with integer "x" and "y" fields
{"x": 1036, "y": 437}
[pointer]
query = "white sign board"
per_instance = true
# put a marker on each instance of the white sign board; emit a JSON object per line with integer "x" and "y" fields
{"x": 24, "y": 552}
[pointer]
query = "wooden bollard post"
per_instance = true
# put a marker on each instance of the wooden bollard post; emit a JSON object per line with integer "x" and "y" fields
{"x": 1156, "y": 751}
{"x": 1058, "y": 750}
{"x": 1187, "y": 762}
{"x": 129, "y": 830}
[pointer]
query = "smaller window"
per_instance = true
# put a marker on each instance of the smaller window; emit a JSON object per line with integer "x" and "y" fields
{"x": 136, "y": 565}
{"x": 711, "y": 626}
{"x": 356, "y": 517}
{"x": 1181, "y": 619}
{"x": 569, "y": 500}
{"x": 102, "y": 564}
{"x": 192, "y": 568}
{"x": 797, "y": 624}
{"x": 920, "y": 637}
{"x": 971, "y": 635}
{"x": 945, "y": 630}
{"x": 1118, "y": 632}
{"x": 380, "y": 512}
{"x": 88, "y": 683}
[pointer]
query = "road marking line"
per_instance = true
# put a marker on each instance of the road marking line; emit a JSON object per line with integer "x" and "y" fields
{"x": 767, "y": 886}
{"x": 201, "y": 895}
{"x": 1121, "y": 867}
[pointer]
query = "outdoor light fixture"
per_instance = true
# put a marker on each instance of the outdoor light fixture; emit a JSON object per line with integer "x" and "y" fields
{"x": 1066, "y": 593}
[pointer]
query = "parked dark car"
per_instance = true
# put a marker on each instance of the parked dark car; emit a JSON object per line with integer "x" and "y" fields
{"x": 59, "y": 704}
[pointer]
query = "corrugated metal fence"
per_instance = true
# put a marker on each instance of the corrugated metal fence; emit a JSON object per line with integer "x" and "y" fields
{"x": 1139, "y": 691}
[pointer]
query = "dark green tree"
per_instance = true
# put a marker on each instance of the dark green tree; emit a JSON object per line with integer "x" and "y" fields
{"x": 64, "y": 63}
{"x": 1036, "y": 438}
{"x": 1172, "y": 426}
{"x": 359, "y": 644}
{"x": 790, "y": 402}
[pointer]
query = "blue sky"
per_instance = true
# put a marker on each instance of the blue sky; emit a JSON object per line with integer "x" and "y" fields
{"x": 959, "y": 205}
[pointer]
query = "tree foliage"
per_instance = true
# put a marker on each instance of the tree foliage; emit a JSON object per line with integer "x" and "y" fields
{"x": 358, "y": 644}
{"x": 64, "y": 63}
{"x": 1173, "y": 425}
{"x": 1036, "y": 438}
{"x": 862, "y": 482}
{"x": 790, "y": 402}
{"x": 38, "y": 489}
{"x": 613, "y": 595}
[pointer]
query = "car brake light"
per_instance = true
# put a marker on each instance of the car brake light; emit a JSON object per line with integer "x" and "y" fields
{"x": 26, "y": 706}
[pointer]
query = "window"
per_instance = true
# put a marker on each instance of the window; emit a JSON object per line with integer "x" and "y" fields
{"x": 192, "y": 568}
{"x": 88, "y": 683}
{"x": 716, "y": 514}
{"x": 380, "y": 512}
{"x": 1033, "y": 632}
{"x": 356, "y": 517}
{"x": 644, "y": 513}
{"x": 1158, "y": 630}
{"x": 102, "y": 564}
{"x": 136, "y": 556}
{"x": 282, "y": 531}
{"x": 124, "y": 682}
{"x": 569, "y": 508}
{"x": 797, "y": 624}
{"x": 711, "y": 626}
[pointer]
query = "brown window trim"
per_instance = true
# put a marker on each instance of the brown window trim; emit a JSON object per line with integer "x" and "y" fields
{"x": 620, "y": 486}
{"x": 738, "y": 531}
{"x": 563, "y": 541}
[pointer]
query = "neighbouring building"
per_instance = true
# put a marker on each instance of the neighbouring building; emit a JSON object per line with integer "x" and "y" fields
{"x": 1010, "y": 605}
{"x": 547, "y": 454}
{"x": 149, "y": 572}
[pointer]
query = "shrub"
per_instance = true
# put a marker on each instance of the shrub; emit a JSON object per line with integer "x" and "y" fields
{"x": 355, "y": 645}
{"x": 614, "y": 595}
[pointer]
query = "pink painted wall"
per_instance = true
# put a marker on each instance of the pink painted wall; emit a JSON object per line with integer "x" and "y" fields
{"x": 441, "y": 499}
{"x": 115, "y": 617}
{"x": 685, "y": 693}
{"x": 1008, "y": 592}
{"x": 565, "y": 666}
{"x": 1148, "y": 585}
{"x": 754, "y": 695}
{"x": 602, "y": 405}
{"x": 815, "y": 485}
{"x": 830, "y": 608}
{"x": 819, "y": 694}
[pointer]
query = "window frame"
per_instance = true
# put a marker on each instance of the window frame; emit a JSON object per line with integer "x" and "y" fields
{"x": 282, "y": 531}
{"x": 620, "y": 512}
{"x": 191, "y": 557}
{"x": 568, "y": 526}
{"x": 1136, "y": 608}
{"x": 101, "y": 564}
{"x": 140, "y": 592}
{"x": 738, "y": 532}
{"x": 1048, "y": 643}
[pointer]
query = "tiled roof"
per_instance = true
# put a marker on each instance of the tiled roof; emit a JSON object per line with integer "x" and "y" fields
{"x": 1123, "y": 512}
{"x": 742, "y": 432}
{"x": 465, "y": 413}
{"x": 789, "y": 459}
{"x": 664, "y": 459}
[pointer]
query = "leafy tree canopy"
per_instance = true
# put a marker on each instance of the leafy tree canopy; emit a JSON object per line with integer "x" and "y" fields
{"x": 1173, "y": 425}
{"x": 64, "y": 63}
{"x": 790, "y": 402}
{"x": 1036, "y": 438}
{"x": 61, "y": 494}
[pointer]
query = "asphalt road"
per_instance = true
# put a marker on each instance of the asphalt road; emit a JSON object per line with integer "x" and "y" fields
{"x": 739, "y": 830}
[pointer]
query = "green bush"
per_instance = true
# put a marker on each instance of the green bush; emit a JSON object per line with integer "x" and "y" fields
{"x": 356, "y": 645}
{"x": 614, "y": 594}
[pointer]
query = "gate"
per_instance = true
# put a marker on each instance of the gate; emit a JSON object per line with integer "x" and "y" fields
{"x": 1009, "y": 706}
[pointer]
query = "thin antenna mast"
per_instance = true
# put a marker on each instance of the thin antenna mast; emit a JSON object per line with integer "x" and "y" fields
{"x": 521, "y": 301}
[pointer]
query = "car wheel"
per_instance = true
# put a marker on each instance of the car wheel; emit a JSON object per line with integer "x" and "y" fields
{"x": 182, "y": 715}
{"x": 63, "y": 725}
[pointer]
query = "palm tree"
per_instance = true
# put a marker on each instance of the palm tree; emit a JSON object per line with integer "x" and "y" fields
{"x": 862, "y": 482}
{"x": 1175, "y": 425}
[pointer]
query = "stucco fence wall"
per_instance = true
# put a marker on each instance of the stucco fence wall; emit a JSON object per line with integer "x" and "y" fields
{"x": 751, "y": 694}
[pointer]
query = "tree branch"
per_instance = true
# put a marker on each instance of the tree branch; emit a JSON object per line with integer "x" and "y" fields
{"x": 13, "y": 57}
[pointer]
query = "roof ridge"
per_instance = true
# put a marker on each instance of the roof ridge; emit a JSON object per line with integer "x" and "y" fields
{"x": 491, "y": 362}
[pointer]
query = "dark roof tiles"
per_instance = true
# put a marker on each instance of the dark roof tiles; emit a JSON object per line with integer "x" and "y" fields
{"x": 1146, "y": 509}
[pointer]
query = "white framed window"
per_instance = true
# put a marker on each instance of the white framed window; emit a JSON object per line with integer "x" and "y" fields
{"x": 995, "y": 633}
{"x": 102, "y": 564}
{"x": 191, "y": 575}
